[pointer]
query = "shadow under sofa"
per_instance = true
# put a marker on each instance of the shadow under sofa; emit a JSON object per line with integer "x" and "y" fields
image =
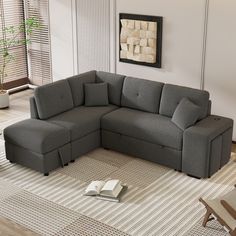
{"x": 137, "y": 121}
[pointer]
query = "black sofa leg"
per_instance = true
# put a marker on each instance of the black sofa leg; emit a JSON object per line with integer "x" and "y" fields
{"x": 11, "y": 161}
{"x": 66, "y": 164}
{"x": 72, "y": 161}
{"x": 46, "y": 174}
{"x": 192, "y": 176}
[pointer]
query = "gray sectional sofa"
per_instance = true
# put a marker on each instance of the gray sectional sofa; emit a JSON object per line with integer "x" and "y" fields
{"x": 138, "y": 118}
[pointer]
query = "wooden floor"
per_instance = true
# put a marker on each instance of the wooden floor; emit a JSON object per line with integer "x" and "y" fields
{"x": 19, "y": 105}
{"x": 9, "y": 228}
{"x": 234, "y": 148}
{"x": 18, "y": 110}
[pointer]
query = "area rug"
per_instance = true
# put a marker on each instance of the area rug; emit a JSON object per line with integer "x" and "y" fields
{"x": 159, "y": 201}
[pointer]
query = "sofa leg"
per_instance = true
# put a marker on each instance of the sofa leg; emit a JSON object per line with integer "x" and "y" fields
{"x": 106, "y": 148}
{"x": 192, "y": 176}
{"x": 66, "y": 164}
{"x": 11, "y": 161}
{"x": 72, "y": 161}
{"x": 46, "y": 174}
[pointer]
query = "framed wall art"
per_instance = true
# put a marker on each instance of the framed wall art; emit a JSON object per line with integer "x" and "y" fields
{"x": 141, "y": 39}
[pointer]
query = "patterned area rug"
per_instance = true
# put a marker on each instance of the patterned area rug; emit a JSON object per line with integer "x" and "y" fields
{"x": 159, "y": 201}
{"x": 213, "y": 229}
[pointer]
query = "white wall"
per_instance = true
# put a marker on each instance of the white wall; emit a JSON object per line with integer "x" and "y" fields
{"x": 62, "y": 38}
{"x": 183, "y": 25}
{"x": 220, "y": 73}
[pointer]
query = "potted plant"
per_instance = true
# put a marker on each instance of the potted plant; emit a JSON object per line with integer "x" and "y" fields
{"x": 12, "y": 37}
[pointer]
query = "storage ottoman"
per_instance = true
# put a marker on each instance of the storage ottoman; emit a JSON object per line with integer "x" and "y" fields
{"x": 37, "y": 144}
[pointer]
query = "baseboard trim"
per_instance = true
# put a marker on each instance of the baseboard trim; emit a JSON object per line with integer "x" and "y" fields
{"x": 18, "y": 89}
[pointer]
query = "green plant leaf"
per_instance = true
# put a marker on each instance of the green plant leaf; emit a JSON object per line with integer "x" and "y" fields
{"x": 14, "y": 36}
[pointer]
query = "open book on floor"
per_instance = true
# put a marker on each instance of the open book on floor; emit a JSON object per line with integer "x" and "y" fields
{"x": 110, "y": 190}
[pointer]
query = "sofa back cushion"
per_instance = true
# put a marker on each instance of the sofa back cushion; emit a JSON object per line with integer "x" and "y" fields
{"x": 77, "y": 86}
{"x": 115, "y": 83}
{"x": 53, "y": 99}
{"x": 141, "y": 94}
{"x": 172, "y": 95}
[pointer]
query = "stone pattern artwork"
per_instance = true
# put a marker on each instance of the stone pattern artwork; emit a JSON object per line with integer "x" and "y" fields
{"x": 138, "y": 40}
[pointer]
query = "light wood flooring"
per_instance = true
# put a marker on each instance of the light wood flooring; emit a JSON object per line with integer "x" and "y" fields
{"x": 19, "y": 105}
{"x": 10, "y": 228}
{"x": 18, "y": 110}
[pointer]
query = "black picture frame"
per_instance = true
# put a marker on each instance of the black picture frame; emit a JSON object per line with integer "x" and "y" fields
{"x": 159, "y": 21}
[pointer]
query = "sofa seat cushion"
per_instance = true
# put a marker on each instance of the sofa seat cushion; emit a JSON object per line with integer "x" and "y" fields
{"x": 82, "y": 120}
{"x": 145, "y": 126}
{"x": 37, "y": 135}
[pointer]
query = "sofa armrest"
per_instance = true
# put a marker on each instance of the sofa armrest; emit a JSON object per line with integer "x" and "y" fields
{"x": 33, "y": 109}
{"x": 207, "y": 146}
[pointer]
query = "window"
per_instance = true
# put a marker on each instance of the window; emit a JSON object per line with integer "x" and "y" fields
{"x": 33, "y": 64}
{"x": 39, "y": 51}
{"x": 12, "y": 13}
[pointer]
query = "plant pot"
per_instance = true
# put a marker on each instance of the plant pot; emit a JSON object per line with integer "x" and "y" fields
{"x": 4, "y": 99}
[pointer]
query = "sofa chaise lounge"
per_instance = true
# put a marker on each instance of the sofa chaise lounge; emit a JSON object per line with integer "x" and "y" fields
{"x": 137, "y": 119}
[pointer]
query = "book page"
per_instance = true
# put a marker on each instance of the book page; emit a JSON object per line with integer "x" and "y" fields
{"x": 111, "y": 188}
{"x": 94, "y": 188}
{"x": 114, "y": 199}
{"x": 117, "y": 190}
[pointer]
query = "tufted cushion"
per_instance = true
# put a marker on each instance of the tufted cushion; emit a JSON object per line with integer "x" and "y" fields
{"x": 52, "y": 99}
{"x": 172, "y": 95}
{"x": 141, "y": 94}
{"x": 96, "y": 94}
{"x": 77, "y": 86}
{"x": 115, "y": 83}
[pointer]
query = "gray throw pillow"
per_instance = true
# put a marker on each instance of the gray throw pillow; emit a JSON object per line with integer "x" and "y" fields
{"x": 186, "y": 114}
{"x": 96, "y": 94}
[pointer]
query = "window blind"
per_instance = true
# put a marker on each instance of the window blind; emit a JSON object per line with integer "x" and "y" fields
{"x": 39, "y": 51}
{"x": 12, "y": 14}
{"x": 93, "y": 25}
